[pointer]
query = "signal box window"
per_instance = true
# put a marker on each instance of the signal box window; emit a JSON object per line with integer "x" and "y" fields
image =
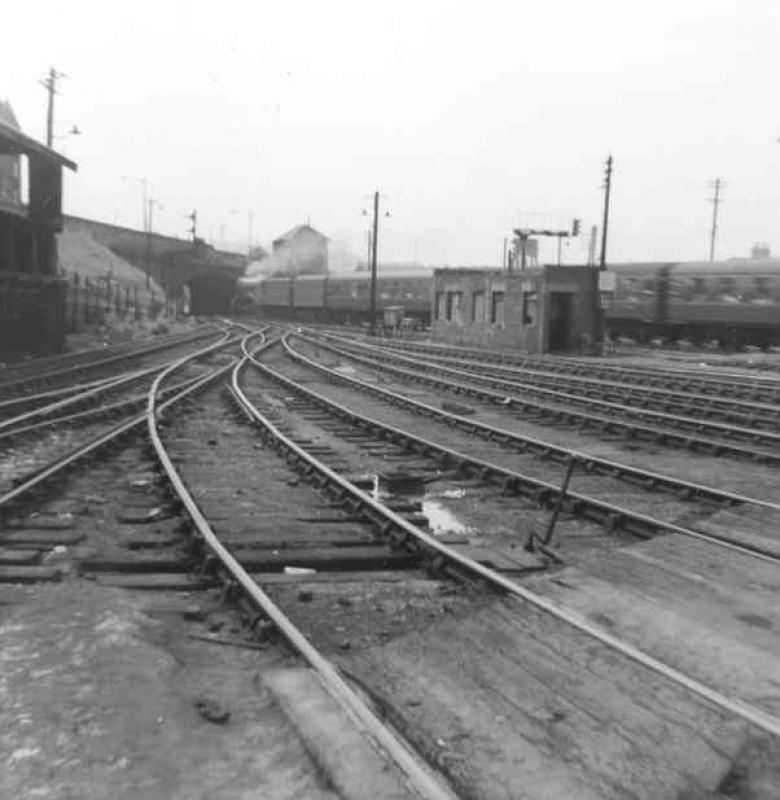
{"x": 530, "y": 303}
{"x": 478, "y": 307}
{"x": 440, "y": 306}
{"x": 454, "y": 300}
{"x": 497, "y": 308}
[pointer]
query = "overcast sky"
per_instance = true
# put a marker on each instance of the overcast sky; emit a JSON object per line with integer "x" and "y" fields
{"x": 471, "y": 117}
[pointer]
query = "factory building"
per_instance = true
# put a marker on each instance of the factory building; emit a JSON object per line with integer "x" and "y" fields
{"x": 540, "y": 310}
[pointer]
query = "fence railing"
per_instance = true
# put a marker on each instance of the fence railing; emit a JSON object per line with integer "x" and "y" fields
{"x": 93, "y": 301}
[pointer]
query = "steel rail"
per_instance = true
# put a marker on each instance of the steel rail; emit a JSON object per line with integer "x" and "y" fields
{"x": 114, "y": 433}
{"x": 680, "y": 420}
{"x": 688, "y": 438}
{"x": 96, "y": 411}
{"x": 641, "y": 524}
{"x": 104, "y": 386}
{"x": 23, "y": 383}
{"x": 79, "y": 358}
{"x": 419, "y": 779}
{"x": 594, "y": 464}
{"x": 61, "y": 393}
{"x": 635, "y": 395}
{"x": 749, "y": 387}
{"x": 740, "y": 708}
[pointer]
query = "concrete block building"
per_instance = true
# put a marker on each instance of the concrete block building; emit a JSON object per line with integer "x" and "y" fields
{"x": 540, "y": 310}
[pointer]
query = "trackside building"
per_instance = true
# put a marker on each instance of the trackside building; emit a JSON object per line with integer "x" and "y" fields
{"x": 540, "y": 310}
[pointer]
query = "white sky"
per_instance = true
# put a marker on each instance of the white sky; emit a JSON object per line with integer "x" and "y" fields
{"x": 471, "y": 117}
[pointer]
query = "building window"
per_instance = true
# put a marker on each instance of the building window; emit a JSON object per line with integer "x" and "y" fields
{"x": 478, "y": 307}
{"x": 441, "y": 306}
{"x": 454, "y": 301}
{"x": 497, "y": 308}
{"x": 530, "y": 304}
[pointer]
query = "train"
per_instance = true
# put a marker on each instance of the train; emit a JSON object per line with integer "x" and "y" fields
{"x": 340, "y": 298}
{"x": 734, "y": 302}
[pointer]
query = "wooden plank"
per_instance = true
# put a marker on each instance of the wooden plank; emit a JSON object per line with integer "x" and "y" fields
{"x": 509, "y": 691}
{"x": 330, "y": 558}
{"x": 664, "y": 630}
{"x": 502, "y": 558}
{"x": 31, "y": 574}
{"x": 44, "y": 538}
{"x": 157, "y": 581}
{"x": 18, "y": 556}
{"x": 356, "y": 576}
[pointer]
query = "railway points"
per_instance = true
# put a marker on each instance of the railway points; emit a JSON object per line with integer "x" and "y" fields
{"x": 266, "y": 505}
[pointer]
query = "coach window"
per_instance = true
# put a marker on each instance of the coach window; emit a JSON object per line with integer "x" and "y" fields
{"x": 762, "y": 287}
{"x": 478, "y": 307}
{"x": 530, "y": 302}
{"x": 699, "y": 286}
{"x": 727, "y": 286}
{"x": 497, "y": 308}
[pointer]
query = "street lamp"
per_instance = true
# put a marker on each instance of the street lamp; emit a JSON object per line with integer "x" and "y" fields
{"x": 374, "y": 244}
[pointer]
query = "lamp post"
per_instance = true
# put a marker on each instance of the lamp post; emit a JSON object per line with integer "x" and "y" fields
{"x": 374, "y": 246}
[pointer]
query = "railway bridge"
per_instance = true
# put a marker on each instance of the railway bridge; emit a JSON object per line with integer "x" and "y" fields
{"x": 178, "y": 265}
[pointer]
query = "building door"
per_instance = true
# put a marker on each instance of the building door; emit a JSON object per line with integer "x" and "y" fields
{"x": 559, "y": 330}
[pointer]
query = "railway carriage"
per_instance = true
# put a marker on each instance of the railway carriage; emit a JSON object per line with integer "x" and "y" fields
{"x": 736, "y": 302}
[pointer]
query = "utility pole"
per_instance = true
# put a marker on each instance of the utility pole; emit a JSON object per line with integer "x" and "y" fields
{"x": 598, "y": 311}
{"x": 605, "y": 223}
{"x": 592, "y": 245}
{"x": 193, "y": 218}
{"x": 716, "y": 201}
{"x": 374, "y": 238}
{"x": 50, "y": 84}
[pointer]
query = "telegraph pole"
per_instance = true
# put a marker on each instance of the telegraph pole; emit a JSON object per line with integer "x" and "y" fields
{"x": 605, "y": 223}
{"x": 374, "y": 238}
{"x": 50, "y": 84}
{"x": 716, "y": 201}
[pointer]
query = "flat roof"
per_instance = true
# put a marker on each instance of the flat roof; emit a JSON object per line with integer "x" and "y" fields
{"x": 14, "y": 142}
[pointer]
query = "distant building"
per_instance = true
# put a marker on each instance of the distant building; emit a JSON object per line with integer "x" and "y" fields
{"x": 760, "y": 250}
{"x": 10, "y": 171}
{"x": 301, "y": 251}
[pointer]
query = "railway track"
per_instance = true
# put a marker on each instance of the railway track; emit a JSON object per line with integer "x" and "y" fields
{"x": 241, "y": 508}
{"x": 747, "y": 414}
{"x": 668, "y": 429}
{"x": 41, "y": 383}
{"x": 762, "y": 389}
